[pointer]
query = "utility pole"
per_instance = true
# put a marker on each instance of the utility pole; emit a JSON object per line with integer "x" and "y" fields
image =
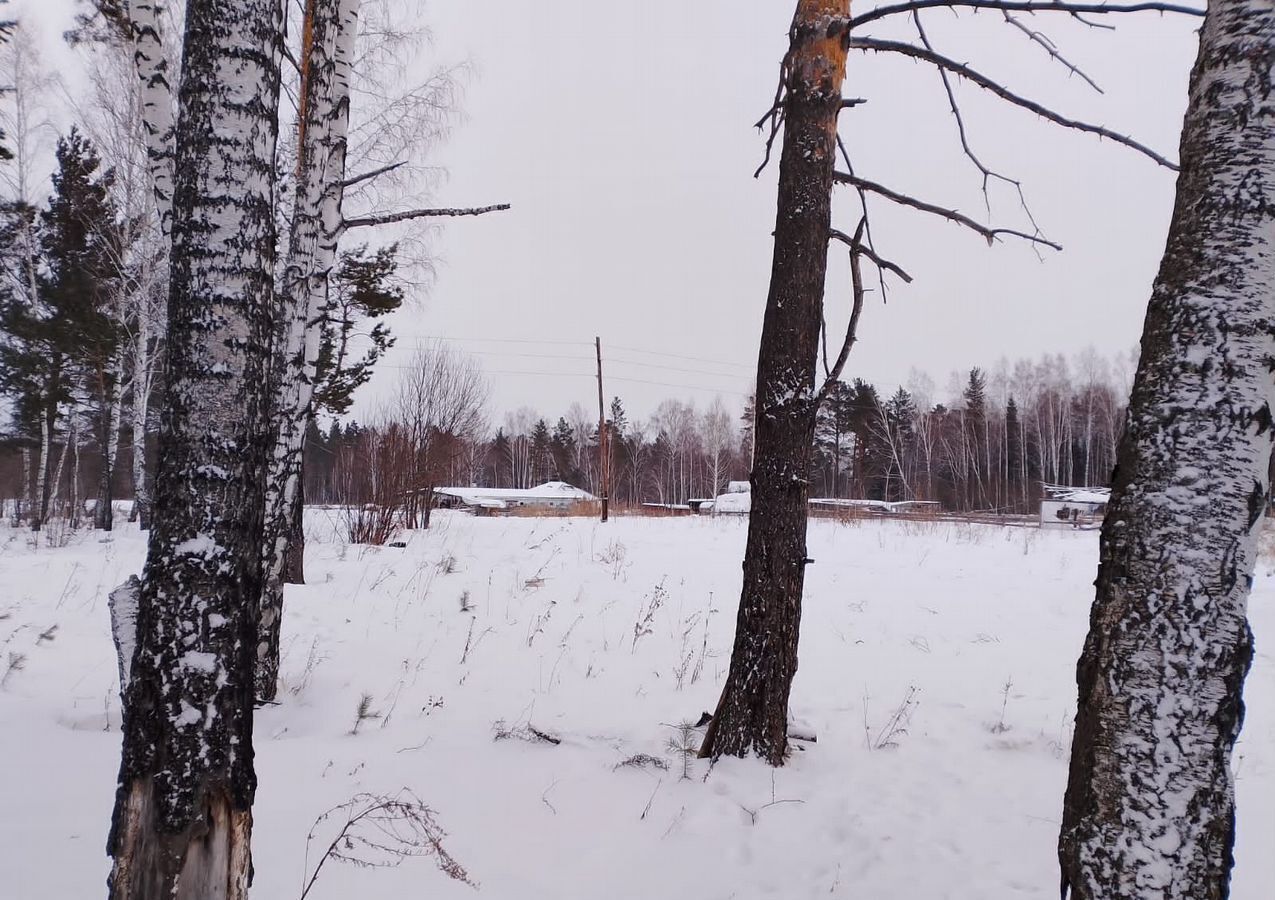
{"x": 604, "y": 469}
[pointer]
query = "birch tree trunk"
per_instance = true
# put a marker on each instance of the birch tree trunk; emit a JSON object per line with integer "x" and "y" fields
{"x": 183, "y": 811}
{"x": 1149, "y": 810}
{"x": 40, "y": 507}
{"x": 143, "y": 371}
{"x": 150, "y": 57}
{"x": 752, "y": 715}
{"x": 316, "y": 227}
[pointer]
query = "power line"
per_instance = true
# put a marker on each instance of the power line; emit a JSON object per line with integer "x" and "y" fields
{"x": 719, "y": 362}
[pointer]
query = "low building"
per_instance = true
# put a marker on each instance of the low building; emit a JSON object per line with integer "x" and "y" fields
{"x": 550, "y": 497}
{"x": 1073, "y": 507}
{"x": 738, "y": 500}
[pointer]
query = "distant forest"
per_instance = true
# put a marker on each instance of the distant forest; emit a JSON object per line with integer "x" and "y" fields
{"x": 986, "y": 446}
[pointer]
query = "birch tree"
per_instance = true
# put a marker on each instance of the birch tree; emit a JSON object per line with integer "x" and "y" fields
{"x": 1150, "y": 807}
{"x": 323, "y": 118}
{"x": 183, "y": 813}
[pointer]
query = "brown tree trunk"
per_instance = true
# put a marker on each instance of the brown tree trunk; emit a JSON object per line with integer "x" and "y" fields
{"x": 183, "y": 808}
{"x": 752, "y": 715}
{"x": 1150, "y": 806}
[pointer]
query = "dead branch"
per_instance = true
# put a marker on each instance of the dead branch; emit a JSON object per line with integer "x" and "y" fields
{"x": 852, "y": 327}
{"x": 964, "y": 71}
{"x": 775, "y": 115}
{"x": 1037, "y": 37}
{"x": 989, "y": 234}
{"x": 407, "y": 215}
{"x": 871, "y": 254}
{"x": 1072, "y": 9}
{"x": 987, "y": 173}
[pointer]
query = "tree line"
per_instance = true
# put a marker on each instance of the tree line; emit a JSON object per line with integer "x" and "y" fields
{"x": 988, "y": 445}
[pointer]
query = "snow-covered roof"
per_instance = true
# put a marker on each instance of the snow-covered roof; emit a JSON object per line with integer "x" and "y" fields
{"x": 499, "y": 498}
{"x": 743, "y": 503}
{"x": 738, "y": 487}
{"x": 738, "y": 502}
{"x": 1078, "y": 494}
{"x": 880, "y": 505}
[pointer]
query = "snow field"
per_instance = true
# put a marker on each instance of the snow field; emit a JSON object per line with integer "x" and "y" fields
{"x": 931, "y": 778}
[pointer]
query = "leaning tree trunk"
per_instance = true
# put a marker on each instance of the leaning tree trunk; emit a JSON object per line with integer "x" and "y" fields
{"x": 1149, "y": 810}
{"x": 183, "y": 811}
{"x": 753, "y": 712}
{"x": 332, "y": 26}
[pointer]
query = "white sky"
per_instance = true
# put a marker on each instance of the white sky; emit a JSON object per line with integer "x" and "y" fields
{"x": 622, "y": 135}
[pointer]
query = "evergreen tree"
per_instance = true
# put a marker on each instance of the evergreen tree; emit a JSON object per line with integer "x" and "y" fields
{"x": 563, "y": 449}
{"x": 900, "y": 419}
{"x": 541, "y": 452}
{"x": 62, "y": 334}
{"x": 977, "y": 464}
{"x": 1013, "y": 454}
{"x": 364, "y": 288}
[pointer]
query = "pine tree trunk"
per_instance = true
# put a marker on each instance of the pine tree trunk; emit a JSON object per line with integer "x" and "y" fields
{"x": 752, "y": 715}
{"x": 1149, "y": 810}
{"x": 316, "y": 228}
{"x": 183, "y": 812}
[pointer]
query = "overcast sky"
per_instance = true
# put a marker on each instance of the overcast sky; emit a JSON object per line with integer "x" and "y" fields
{"x": 622, "y": 135}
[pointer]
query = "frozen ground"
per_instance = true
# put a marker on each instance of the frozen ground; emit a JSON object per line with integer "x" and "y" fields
{"x": 961, "y": 801}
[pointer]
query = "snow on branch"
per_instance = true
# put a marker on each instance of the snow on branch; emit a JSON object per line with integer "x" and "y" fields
{"x": 407, "y": 215}
{"x": 374, "y": 173}
{"x": 949, "y": 65}
{"x": 1032, "y": 6}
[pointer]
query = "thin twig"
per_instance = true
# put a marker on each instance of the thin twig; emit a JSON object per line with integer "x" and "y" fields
{"x": 881, "y": 46}
{"x": 1051, "y": 48}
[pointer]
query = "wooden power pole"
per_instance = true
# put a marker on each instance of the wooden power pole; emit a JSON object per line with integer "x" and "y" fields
{"x": 604, "y": 468}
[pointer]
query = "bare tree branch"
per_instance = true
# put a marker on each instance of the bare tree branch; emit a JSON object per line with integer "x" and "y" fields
{"x": 989, "y": 234}
{"x": 987, "y": 173}
{"x": 852, "y": 327}
{"x": 964, "y": 71}
{"x": 859, "y": 247}
{"x": 1051, "y": 48}
{"x": 374, "y": 173}
{"x": 407, "y": 215}
{"x": 1072, "y": 9}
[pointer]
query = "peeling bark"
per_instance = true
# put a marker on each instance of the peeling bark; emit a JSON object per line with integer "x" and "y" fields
{"x": 183, "y": 817}
{"x": 1150, "y": 809}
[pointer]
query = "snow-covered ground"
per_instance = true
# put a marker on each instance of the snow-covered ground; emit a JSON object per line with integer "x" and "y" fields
{"x": 596, "y": 634}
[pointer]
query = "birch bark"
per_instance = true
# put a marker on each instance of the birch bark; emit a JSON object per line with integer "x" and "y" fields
{"x": 1149, "y": 809}
{"x": 312, "y": 242}
{"x": 183, "y": 813}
